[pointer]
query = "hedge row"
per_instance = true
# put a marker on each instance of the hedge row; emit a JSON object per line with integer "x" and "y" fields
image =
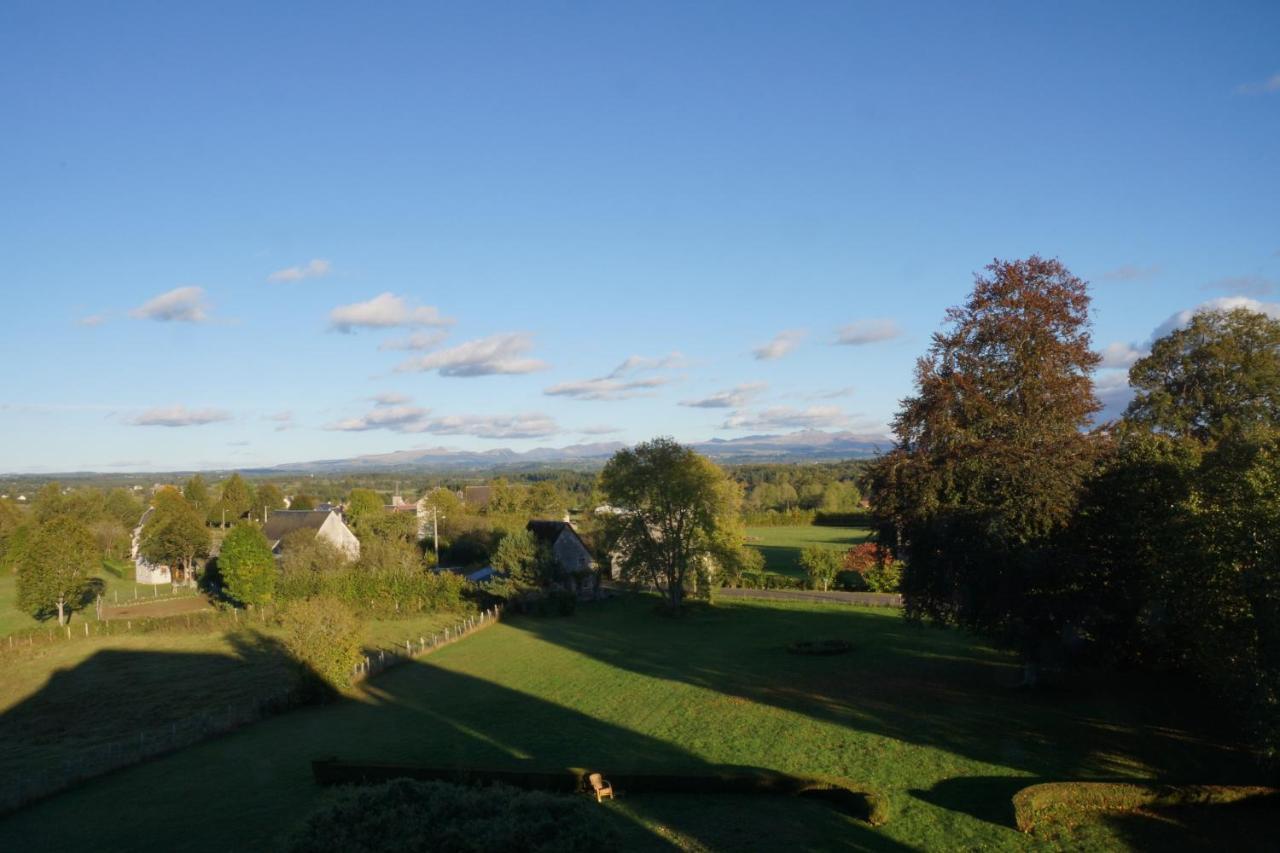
{"x": 859, "y": 801}
{"x": 1052, "y": 801}
{"x": 765, "y": 580}
{"x": 377, "y": 593}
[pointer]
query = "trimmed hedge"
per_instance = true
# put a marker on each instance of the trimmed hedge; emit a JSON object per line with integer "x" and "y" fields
{"x": 377, "y": 593}
{"x": 1051, "y": 801}
{"x": 856, "y": 800}
{"x": 407, "y": 815}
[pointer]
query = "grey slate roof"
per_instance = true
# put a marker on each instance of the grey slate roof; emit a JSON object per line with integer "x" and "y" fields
{"x": 282, "y": 522}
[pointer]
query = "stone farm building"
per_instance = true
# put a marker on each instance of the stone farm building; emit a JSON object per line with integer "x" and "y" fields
{"x": 572, "y": 556}
{"x": 326, "y": 524}
{"x": 144, "y": 570}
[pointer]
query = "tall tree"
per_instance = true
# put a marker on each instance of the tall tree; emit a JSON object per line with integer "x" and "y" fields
{"x": 991, "y": 456}
{"x": 364, "y": 508}
{"x": 175, "y": 535}
{"x": 1218, "y": 374}
{"x": 54, "y": 574}
{"x": 266, "y": 499}
{"x": 679, "y": 511}
{"x": 247, "y": 566}
{"x": 303, "y": 502}
{"x": 196, "y": 491}
{"x": 237, "y": 498}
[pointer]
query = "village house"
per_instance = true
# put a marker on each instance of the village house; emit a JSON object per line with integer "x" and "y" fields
{"x": 327, "y": 525}
{"x": 572, "y": 558}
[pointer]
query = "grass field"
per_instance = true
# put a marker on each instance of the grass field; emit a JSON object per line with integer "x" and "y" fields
{"x": 781, "y": 546}
{"x": 925, "y": 715}
{"x": 60, "y": 700}
{"x": 114, "y": 580}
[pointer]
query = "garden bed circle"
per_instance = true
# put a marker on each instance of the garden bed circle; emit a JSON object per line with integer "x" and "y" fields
{"x": 819, "y": 647}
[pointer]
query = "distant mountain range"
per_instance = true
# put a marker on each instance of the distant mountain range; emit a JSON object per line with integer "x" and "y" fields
{"x": 803, "y": 446}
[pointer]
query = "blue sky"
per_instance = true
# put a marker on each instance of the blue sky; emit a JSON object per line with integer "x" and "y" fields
{"x": 586, "y": 217}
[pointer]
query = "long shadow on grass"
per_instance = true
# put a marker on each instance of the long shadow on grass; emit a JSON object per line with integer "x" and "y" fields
{"x": 254, "y": 784}
{"x": 922, "y": 686}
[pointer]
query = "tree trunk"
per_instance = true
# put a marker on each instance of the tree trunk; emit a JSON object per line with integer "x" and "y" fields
{"x": 62, "y": 612}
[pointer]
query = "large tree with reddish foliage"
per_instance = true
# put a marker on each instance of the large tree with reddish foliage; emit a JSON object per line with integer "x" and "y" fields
{"x": 992, "y": 454}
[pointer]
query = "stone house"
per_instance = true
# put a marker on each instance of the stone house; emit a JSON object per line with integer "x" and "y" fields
{"x": 570, "y": 552}
{"x": 326, "y": 524}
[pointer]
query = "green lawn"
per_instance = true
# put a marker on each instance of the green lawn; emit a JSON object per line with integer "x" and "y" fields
{"x": 114, "y": 580}
{"x": 65, "y": 701}
{"x": 781, "y": 546}
{"x": 923, "y": 714}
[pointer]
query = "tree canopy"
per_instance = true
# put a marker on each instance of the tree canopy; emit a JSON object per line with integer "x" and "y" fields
{"x": 176, "y": 534}
{"x": 992, "y": 454}
{"x": 56, "y": 567}
{"x": 1218, "y": 374}
{"x": 678, "y": 513}
{"x": 247, "y": 566}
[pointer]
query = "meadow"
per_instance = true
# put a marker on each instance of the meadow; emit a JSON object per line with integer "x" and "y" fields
{"x": 927, "y": 716}
{"x": 781, "y": 546}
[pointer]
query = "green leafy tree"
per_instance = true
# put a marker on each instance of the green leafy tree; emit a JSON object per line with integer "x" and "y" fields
{"x": 302, "y": 552}
{"x": 325, "y": 637}
{"x": 992, "y": 457}
{"x": 544, "y": 501}
{"x": 49, "y": 502}
{"x": 56, "y": 568}
{"x": 303, "y": 502}
{"x": 236, "y": 500}
{"x": 1217, "y": 375}
{"x": 821, "y": 565}
{"x": 517, "y": 555}
{"x": 196, "y": 491}
{"x": 267, "y": 498}
{"x": 247, "y": 566}
{"x": 175, "y": 535}
{"x": 363, "y": 509}
{"x": 679, "y": 511}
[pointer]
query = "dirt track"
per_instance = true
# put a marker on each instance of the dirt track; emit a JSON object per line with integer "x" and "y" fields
{"x": 143, "y": 609}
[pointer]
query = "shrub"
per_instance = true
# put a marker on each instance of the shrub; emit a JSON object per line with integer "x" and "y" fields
{"x": 303, "y": 551}
{"x": 378, "y": 592}
{"x": 851, "y": 581}
{"x": 880, "y": 572}
{"x": 324, "y": 636}
{"x": 247, "y": 566}
{"x": 1038, "y": 804}
{"x": 409, "y": 815}
{"x": 820, "y": 566}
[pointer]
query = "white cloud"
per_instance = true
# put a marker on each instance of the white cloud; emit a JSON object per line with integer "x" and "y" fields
{"x": 283, "y": 420}
{"x": 1131, "y": 272}
{"x": 389, "y": 398}
{"x": 782, "y": 417}
{"x": 384, "y": 311}
{"x": 731, "y": 398}
{"x": 604, "y": 388}
{"x": 1260, "y": 87}
{"x": 316, "y": 268}
{"x": 1222, "y": 303}
{"x": 867, "y": 332}
{"x": 636, "y": 363}
{"x": 599, "y": 429}
{"x": 615, "y": 386}
{"x": 782, "y": 343}
{"x": 1120, "y": 355}
{"x": 180, "y": 416}
{"x": 527, "y": 425}
{"x": 417, "y": 341}
{"x": 181, "y": 305}
{"x": 399, "y": 418}
{"x": 482, "y": 357}
{"x": 410, "y": 419}
{"x": 1111, "y": 387}
{"x": 92, "y": 320}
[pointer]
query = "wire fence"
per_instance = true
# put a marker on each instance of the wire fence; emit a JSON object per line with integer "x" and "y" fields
{"x": 17, "y": 789}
